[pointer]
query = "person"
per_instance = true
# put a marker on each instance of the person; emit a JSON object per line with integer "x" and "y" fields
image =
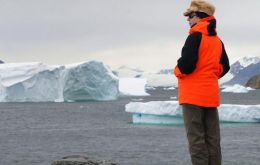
{"x": 203, "y": 61}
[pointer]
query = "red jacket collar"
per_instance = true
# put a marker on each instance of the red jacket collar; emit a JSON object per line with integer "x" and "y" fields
{"x": 202, "y": 25}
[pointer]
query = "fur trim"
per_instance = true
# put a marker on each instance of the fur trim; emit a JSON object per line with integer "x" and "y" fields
{"x": 201, "y": 6}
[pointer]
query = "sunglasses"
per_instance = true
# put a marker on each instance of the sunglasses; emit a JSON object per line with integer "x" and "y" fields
{"x": 191, "y": 15}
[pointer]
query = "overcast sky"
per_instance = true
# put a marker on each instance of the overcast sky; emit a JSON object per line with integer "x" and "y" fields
{"x": 147, "y": 34}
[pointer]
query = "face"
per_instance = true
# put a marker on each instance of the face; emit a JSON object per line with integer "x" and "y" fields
{"x": 192, "y": 19}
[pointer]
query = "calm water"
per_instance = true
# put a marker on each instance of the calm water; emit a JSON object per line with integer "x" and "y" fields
{"x": 38, "y": 133}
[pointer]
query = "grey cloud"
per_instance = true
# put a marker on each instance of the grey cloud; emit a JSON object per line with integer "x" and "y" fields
{"x": 96, "y": 25}
{"x": 45, "y": 21}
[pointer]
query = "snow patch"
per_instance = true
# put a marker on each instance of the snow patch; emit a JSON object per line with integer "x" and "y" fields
{"x": 246, "y": 61}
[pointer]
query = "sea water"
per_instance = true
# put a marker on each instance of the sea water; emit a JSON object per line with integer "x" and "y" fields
{"x": 39, "y": 133}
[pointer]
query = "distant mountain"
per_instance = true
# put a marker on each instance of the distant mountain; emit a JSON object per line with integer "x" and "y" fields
{"x": 1, "y": 62}
{"x": 243, "y": 69}
{"x": 243, "y": 63}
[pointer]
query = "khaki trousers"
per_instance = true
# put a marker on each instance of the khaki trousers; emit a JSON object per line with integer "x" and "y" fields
{"x": 203, "y": 133}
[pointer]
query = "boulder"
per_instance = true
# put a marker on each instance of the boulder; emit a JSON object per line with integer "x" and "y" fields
{"x": 254, "y": 82}
{"x": 80, "y": 160}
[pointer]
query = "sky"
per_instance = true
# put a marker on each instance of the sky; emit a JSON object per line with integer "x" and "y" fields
{"x": 144, "y": 34}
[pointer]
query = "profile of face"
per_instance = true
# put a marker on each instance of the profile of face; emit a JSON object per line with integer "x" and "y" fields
{"x": 192, "y": 19}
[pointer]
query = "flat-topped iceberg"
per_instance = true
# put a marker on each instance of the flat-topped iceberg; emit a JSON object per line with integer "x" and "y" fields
{"x": 169, "y": 112}
{"x": 22, "y": 82}
{"x": 36, "y": 82}
{"x": 163, "y": 78}
{"x": 132, "y": 86}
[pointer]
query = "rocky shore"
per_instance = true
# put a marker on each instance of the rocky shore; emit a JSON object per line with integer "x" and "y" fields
{"x": 254, "y": 82}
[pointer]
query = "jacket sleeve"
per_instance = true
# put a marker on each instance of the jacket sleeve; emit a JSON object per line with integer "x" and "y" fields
{"x": 224, "y": 61}
{"x": 189, "y": 55}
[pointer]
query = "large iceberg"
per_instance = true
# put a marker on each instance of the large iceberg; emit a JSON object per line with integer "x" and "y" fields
{"x": 90, "y": 81}
{"x": 34, "y": 82}
{"x": 169, "y": 112}
{"x": 21, "y": 82}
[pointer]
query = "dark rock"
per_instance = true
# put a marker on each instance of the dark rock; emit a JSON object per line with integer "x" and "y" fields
{"x": 1, "y": 62}
{"x": 80, "y": 160}
{"x": 254, "y": 82}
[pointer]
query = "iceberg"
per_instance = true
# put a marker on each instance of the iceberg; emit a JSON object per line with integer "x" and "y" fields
{"x": 169, "y": 112}
{"x": 132, "y": 86}
{"x": 237, "y": 89}
{"x": 128, "y": 72}
{"x": 25, "y": 82}
{"x": 162, "y": 79}
{"x": 90, "y": 81}
{"x": 36, "y": 82}
{"x": 11, "y": 73}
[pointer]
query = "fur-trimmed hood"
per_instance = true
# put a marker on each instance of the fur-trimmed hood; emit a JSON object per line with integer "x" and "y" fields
{"x": 200, "y": 6}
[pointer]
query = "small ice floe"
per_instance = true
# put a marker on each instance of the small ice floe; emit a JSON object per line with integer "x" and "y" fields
{"x": 138, "y": 99}
{"x": 81, "y": 107}
{"x": 169, "y": 112}
{"x": 173, "y": 98}
{"x": 150, "y": 88}
{"x": 237, "y": 89}
{"x": 169, "y": 88}
{"x": 250, "y": 89}
{"x": 59, "y": 100}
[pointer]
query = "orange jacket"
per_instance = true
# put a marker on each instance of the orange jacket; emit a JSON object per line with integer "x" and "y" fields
{"x": 199, "y": 85}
